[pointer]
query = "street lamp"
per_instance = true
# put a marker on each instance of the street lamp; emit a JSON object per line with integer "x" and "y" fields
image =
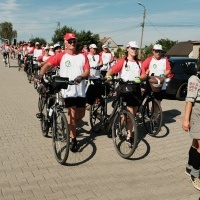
{"x": 144, "y": 15}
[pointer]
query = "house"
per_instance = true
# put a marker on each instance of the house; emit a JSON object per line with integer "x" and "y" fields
{"x": 111, "y": 44}
{"x": 185, "y": 49}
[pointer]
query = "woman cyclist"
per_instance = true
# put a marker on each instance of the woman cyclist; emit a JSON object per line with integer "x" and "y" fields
{"x": 129, "y": 69}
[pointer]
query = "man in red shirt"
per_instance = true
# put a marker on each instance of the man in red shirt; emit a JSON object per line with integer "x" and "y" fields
{"x": 157, "y": 65}
{"x": 75, "y": 67}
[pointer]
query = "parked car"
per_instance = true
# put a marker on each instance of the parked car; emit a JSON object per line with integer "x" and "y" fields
{"x": 182, "y": 68}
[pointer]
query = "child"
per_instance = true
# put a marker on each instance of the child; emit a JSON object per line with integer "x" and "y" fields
{"x": 191, "y": 123}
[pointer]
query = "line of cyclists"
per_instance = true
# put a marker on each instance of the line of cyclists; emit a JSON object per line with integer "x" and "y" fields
{"x": 91, "y": 66}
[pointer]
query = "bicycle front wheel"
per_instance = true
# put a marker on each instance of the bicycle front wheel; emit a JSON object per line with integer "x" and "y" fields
{"x": 61, "y": 137}
{"x": 44, "y": 121}
{"x": 152, "y": 116}
{"x": 123, "y": 122}
{"x": 29, "y": 74}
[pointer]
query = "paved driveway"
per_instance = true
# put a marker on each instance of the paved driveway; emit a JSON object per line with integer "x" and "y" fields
{"x": 28, "y": 169}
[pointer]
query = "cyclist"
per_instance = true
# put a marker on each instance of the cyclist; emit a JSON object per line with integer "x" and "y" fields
{"x": 75, "y": 67}
{"x": 37, "y": 52}
{"x": 129, "y": 69}
{"x": 106, "y": 58}
{"x": 57, "y": 48}
{"x": 94, "y": 90}
{"x": 157, "y": 65}
{"x": 6, "y": 50}
{"x": 45, "y": 55}
{"x": 51, "y": 51}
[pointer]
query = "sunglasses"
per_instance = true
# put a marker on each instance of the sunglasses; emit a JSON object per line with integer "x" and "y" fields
{"x": 71, "y": 41}
{"x": 157, "y": 51}
{"x": 134, "y": 48}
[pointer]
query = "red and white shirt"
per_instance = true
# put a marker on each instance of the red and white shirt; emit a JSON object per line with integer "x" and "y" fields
{"x": 106, "y": 59}
{"x": 156, "y": 67}
{"x": 71, "y": 66}
{"x": 127, "y": 72}
{"x": 94, "y": 62}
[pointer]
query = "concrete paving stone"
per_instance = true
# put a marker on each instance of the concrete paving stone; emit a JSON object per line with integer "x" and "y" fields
{"x": 24, "y": 195}
{"x": 155, "y": 171}
{"x": 55, "y": 196}
{"x": 10, "y": 197}
{"x": 42, "y": 191}
{"x": 11, "y": 190}
{"x": 86, "y": 196}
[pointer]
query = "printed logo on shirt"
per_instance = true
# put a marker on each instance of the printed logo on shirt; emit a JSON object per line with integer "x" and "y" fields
{"x": 193, "y": 86}
{"x": 67, "y": 63}
{"x": 154, "y": 66}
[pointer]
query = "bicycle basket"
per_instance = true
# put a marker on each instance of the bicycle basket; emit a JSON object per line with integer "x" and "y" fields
{"x": 59, "y": 83}
{"x": 156, "y": 83}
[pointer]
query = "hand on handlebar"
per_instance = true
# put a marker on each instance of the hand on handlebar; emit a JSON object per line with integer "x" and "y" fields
{"x": 137, "y": 80}
{"x": 78, "y": 79}
{"x": 38, "y": 78}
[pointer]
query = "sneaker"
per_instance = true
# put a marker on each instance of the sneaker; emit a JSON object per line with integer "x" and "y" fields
{"x": 73, "y": 145}
{"x": 187, "y": 171}
{"x": 129, "y": 141}
{"x": 195, "y": 182}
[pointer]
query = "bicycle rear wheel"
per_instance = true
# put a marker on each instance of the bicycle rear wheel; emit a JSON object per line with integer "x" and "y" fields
{"x": 96, "y": 117}
{"x": 152, "y": 116}
{"x": 61, "y": 137}
{"x": 123, "y": 122}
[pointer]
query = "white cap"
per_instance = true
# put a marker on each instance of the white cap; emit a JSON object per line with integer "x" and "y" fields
{"x": 94, "y": 46}
{"x": 56, "y": 45}
{"x": 133, "y": 44}
{"x": 47, "y": 47}
{"x": 105, "y": 46}
{"x": 157, "y": 47}
{"x": 37, "y": 43}
{"x": 51, "y": 47}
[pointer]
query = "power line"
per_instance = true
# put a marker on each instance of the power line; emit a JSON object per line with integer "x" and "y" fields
{"x": 156, "y": 28}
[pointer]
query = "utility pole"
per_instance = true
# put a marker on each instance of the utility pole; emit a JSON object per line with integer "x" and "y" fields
{"x": 58, "y": 25}
{"x": 144, "y": 15}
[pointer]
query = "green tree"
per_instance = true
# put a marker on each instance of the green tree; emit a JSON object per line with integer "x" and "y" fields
{"x": 87, "y": 38}
{"x": 42, "y": 41}
{"x": 59, "y": 34}
{"x": 7, "y": 32}
{"x": 166, "y": 44}
{"x": 84, "y": 37}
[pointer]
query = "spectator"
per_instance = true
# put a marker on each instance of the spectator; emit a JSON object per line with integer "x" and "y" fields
{"x": 192, "y": 126}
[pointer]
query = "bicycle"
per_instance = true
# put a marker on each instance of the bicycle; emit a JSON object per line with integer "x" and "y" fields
{"x": 19, "y": 61}
{"x": 56, "y": 119}
{"x": 30, "y": 68}
{"x": 118, "y": 122}
{"x": 151, "y": 111}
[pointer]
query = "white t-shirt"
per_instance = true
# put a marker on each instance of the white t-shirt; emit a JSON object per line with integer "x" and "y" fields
{"x": 94, "y": 62}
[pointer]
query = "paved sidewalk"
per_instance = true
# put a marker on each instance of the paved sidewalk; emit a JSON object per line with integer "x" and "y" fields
{"x": 28, "y": 169}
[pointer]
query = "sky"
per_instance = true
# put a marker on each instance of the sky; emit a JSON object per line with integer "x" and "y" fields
{"x": 121, "y": 20}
